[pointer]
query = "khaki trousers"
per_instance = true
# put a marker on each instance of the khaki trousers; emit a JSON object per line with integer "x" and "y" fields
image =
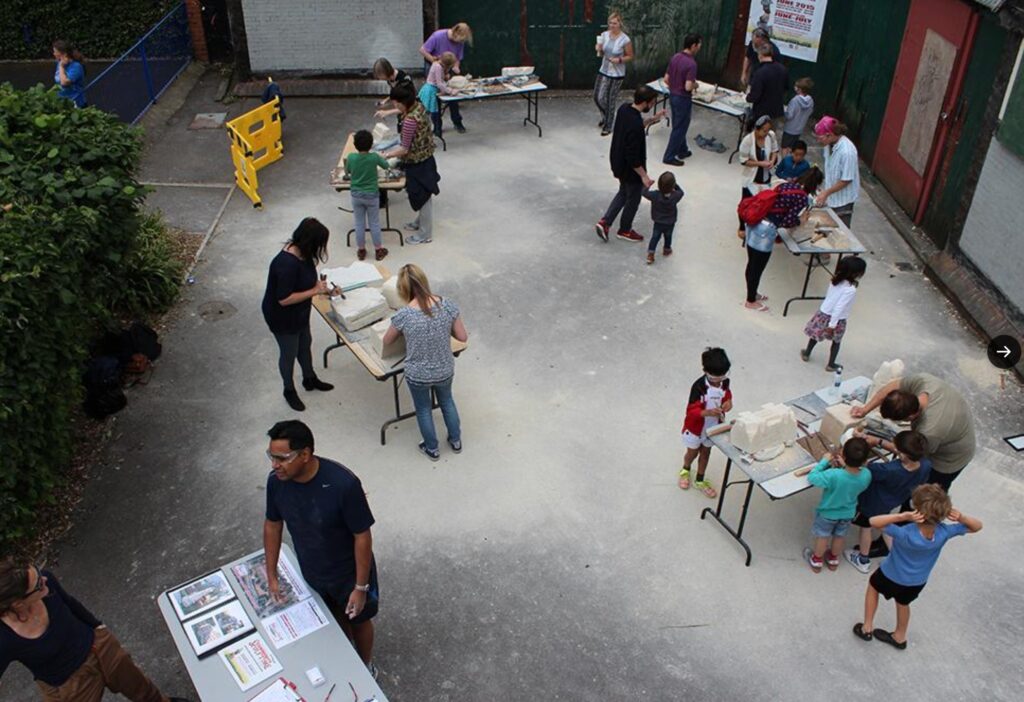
{"x": 108, "y": 667}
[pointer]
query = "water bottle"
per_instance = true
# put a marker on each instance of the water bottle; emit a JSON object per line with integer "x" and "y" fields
{"x": 837, "y": 381}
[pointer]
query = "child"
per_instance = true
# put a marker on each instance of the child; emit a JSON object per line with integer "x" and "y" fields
{"x": 892, "y": 482}
{"x": 794, "y": 164}
{"x": 710, "y": 399}
{"x": 798, "y": 111}
{"x": 436, "y": 84}
{"x": 841, "y": 486}
{"x": 383, "y": 70}
{"x": 830, "y": 320}
{"x": 915, "y": 550}
{"x": 362, "y": 168}
{"x": 664, "y": 205}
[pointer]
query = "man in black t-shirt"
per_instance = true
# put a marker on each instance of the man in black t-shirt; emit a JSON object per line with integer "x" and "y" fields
{"x": 751, "y": 64}
{"x": 768, "y": 88}
{"x": 325, "y": 508}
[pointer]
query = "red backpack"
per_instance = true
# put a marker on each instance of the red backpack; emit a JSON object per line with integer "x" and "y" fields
{"x": 753, "y": 209}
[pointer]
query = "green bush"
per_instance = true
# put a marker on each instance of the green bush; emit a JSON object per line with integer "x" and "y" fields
{"x": 75, "y": 255}
{"x": 100, "y": 28}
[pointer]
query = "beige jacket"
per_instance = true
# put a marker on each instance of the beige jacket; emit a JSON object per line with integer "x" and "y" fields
{"x": 748, "y": 152}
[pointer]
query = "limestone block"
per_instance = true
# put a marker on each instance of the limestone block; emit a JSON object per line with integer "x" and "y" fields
{"x": 354, "y": 275}
{"x": 390, "y": 290}
{"x": 360, "y": 308}
{"x": 382, "y": 132}
{"x": 886, "y": 373}
{"x": 836, "y": 421}
{"x": 770, "y": 426}
{"x": 394, "y": 350}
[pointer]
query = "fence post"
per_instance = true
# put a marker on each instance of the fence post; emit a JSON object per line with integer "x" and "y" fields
{"x": 145, "y": 73}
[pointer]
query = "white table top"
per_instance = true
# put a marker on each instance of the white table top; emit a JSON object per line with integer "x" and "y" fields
{"x": 531, "y": 88}
{"x": 797, "y": 238}
{"x": 726, "y": 108}
{"x": 327, "y": 648}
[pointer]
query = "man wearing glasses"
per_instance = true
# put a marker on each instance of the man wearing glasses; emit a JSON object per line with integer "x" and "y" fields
{"x": 325, "y": 508}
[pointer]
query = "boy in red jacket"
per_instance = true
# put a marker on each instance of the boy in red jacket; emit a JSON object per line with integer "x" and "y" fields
{"x": 710, "y": 399}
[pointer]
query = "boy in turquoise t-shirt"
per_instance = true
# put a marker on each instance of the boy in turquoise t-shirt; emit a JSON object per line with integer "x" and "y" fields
{"x": 843, "y": 479}
{"x": 362, "y": 170}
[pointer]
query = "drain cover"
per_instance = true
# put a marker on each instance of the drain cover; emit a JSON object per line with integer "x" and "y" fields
{"x": 216, "y": 310}
{"x": 208, "y": 120}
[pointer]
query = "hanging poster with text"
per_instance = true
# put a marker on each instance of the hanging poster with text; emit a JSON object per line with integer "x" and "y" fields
{"x": 794, "y": 25}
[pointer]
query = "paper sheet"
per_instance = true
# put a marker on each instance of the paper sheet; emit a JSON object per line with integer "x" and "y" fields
{"x": 250, "y": 661}
{"x": 293, "y": 623}
{"x": 252, "y": 576}
{"x": 279, "y": 691}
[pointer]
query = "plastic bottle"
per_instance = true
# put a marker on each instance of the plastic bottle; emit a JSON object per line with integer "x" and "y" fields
{"x": 837, "y": 381}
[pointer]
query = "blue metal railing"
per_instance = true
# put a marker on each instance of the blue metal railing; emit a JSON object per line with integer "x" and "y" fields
{"x": 129, "y": 86}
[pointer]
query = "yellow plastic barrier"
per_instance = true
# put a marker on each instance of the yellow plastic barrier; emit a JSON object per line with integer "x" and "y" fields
{"x": 255, "y": 143}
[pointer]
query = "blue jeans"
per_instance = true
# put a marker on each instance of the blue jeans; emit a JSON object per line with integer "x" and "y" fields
{"x": 424, "y": 410}
{"x": 366, "y": 211}
{"x": 657, "y": 231}
{"x": 823, "y": 527}
{"x": 682, "y": 109}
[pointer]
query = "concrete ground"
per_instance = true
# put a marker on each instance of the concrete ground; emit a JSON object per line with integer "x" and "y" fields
{"x": 554, "y": 558}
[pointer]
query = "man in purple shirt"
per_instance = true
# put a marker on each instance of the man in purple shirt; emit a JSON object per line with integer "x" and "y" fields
{"x": 453, "y": 40}
{"x": 681, "y": 79}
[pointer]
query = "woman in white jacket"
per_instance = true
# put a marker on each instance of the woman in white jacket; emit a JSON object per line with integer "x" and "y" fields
{"x": 830, "y": 320}
{"x": 759, "y": 152}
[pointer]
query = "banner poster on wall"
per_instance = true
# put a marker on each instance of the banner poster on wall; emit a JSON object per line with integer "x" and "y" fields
{"x": 794, "y": 25}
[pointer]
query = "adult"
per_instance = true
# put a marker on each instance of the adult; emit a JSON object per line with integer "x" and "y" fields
{"x": 628, "y": 157}
{"x": 681, "y": 79}
{"x": 428, "y": 322}
{"x": 69, "y": 74}
{"x": 768, "y": 88}
{"x": 383, "y": 70}
{"x": 70, "y": 653}
{"x": 790, "y": 210}
{"x": 324, "y": 507}
{"x": 759, "y": 152}
{"x": 453, "y": 40}
{"x": 292, "y": 283}
{"x": 759, "y": 37}
{"x": 842, "y": 170}
{"x": 935, "y": 409}
{"x": 616, "y": 50}
{"x": 415, "y": 151}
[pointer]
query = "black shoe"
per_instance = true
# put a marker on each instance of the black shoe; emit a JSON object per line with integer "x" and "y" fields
{"x": 680, "y": 157}
{"x": 878, "y": 549}
{"x": 292, "y": 398}
{"x": 315, "y": 383}
{"x": 180, "y": 699}
{"x": 460, "y": 129}
{"x": 432, "y": 455}
{"x": 674, "y": 162}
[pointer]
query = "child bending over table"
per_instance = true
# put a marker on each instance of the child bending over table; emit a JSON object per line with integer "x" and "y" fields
{"x": 710, "y": 399}
{"x": 843, "y": 479}
{"x": 437, "y": 77}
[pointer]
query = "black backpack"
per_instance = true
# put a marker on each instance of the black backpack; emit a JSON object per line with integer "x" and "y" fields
{"x": 103, "y": 393}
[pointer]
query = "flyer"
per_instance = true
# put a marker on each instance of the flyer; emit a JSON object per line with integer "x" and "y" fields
{"x": 252, "y": 577}
{"x": 217, "y": 627}
{"x": 200, "y": 595}
{"x": 794, "y": 25}
{"x": 250, "y": 661}
{"x": 293, "y": 623}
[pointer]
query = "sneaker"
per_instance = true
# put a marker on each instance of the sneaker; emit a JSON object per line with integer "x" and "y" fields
{"x": 804, "y": 356}
{"x": 681, "y": 157}
{"x": 315, "y": 383}
{"x": 292, "y": 398}
{"x": 417, "y": 239}
{"x": 857, "y": 561}
{"x": 374, "y": 670}
{"x": 813, "y": 561}
{"x": 831, "y": 560}
{"x": 456, "y": 445}
{"x": 381, "y": 254}
{"x": 411, "y": 226}
{"x": 605, "y": 132}
{"x": 630, "y": 235}
{"x": 878, "y": 548}
{"x": 667, "y": 251}
{"x": 432, "y": 455}
{"x": 361, "y": 254}
{"x": 602, "y": 229}
{"x": 460, "y": 129}
{"x": 650, "y": 257}
{"x": 675, "y": 162}
{"x": 833, "y": 368}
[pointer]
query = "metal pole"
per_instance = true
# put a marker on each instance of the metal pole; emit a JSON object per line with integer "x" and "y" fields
{"x": 146, "y": 75}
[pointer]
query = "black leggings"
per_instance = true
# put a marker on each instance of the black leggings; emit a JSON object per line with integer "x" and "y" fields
{"x": 757, "y": 261}
{"x": 298, "y": 345}
{"x": 833, "y": 353}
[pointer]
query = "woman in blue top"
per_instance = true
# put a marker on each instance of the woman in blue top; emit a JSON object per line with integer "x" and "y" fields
{"x": 69, "y": 74}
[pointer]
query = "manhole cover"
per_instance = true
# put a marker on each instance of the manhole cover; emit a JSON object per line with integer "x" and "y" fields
{"x": 216, "y": 310}
{"x": 208, "y": 120}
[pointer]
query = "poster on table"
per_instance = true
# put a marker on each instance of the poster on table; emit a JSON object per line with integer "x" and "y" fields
{"x": 252, "y": 577}
{"x": 217, "y": 627}
{"x": 290, "y": 625}
{"x": 200, "y": 595}
{"x": 250, "y": 661}
{"x": 794, "y": 25}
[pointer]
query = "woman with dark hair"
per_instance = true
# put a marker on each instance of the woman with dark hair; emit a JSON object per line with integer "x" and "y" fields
{"x": 70, "y": 653}
{"x": 69, "y": 74}
{"x": 416, "y": 154}
{"x": 291, "y": 285}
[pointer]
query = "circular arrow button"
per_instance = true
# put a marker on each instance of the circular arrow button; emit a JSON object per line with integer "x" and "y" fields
{"x": 1004, "y": 352}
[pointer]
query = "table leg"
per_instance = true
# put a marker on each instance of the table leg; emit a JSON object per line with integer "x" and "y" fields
{"x": 659, "y": 105}
{"x": 338, "y": 343}
{"x": 533, "y": 102}
{"x": 739, "y": 139}
{"x": 444, "y": 144}
{"x": 399, "y": 415}
{"x": 737, "y": 534}
{"x": 387, "y": 222}
{"x": 807, "y": 280}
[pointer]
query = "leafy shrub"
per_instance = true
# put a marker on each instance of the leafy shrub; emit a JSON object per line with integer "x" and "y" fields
{"x": 75, "y": 254}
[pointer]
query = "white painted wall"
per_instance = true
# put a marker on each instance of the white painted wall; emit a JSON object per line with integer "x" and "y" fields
{"x": 332, "y": 35}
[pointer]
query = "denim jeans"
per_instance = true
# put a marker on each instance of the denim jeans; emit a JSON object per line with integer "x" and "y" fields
{"x": 627, "y": 200}
{"x": 366, "y": 211}
{"x": 682, "y": 110}
{"x": 421, "y": 399}
{"x": 659, "y": 230}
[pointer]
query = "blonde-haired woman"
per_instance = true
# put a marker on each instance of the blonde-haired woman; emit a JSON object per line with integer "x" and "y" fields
{"x": 428, "y": 322}
{"x": 616, "y": 49}
{"x": 454, "y": 40}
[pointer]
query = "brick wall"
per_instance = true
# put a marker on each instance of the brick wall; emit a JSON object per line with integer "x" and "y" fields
{"x": 195, "y": 28}
{"x": 326, "y": 35}
{"x": 993, "y": 236}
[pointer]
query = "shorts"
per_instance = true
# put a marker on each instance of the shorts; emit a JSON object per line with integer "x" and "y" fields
{"x": 822, "y": 528}
{"x": 860, "y": 519}
{"x": 903, "y": 594}
{"x": 336, "y": 598}
{"x": 692, "y": 441}
{"x": 789, "y": 139}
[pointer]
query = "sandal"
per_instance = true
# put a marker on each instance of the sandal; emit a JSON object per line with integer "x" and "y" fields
{"x": 684, "y": 479}
{"x": 858, "y": 631}
{"x": 758, "y": 307}
{"x": 705, "y": 487}
{"x": 883, "y": 635}
{"x": 381, "y": 253}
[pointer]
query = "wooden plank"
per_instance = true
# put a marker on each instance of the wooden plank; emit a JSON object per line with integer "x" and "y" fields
{"x": 338, "y": 181}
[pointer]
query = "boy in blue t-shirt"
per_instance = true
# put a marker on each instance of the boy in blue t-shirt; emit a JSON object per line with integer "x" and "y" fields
{"x": 842, "y": 479}
{"x": 795, "y": 164}
{"x": 892, "y": 483}
{"x": 915, "y": 550}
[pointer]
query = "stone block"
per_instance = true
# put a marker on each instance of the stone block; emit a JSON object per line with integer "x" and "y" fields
{"x": 360, "y": 308}
{"x": 770, "y": 426}
{"x": 886, "y": 373}
{"x": 392, "y": 351}
{"x": 836, "y": 421}
{"x": 390, "y": 290}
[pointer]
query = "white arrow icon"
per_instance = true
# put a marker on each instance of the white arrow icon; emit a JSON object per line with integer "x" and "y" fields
{"x": 1004, "y": 352}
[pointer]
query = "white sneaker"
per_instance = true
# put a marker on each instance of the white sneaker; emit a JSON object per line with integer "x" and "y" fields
{"x": 418, "y": 239}
{"x": 861, "y": 564}
{"x": 411, "y": 226}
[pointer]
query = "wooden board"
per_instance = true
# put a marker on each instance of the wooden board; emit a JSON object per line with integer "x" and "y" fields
{"x": 338, "y": 181}
{"x": 926, "y": 99}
